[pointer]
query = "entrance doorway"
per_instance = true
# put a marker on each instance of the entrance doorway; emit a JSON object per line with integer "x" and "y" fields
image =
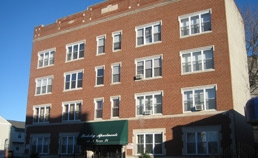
{"x": 107, "y": 151}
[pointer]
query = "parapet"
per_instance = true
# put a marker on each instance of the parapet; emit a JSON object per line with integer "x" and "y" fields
{"x": 92, "y": 13}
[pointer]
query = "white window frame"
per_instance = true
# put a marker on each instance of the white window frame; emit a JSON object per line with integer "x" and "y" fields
{"x": 71, "y": 80}
{"x": 45, "y": 115}
{"x": 113, "y": 73}
{"x": 192, "y": 59}
{"x": 152, "y": 59}
{"x": 49, "y": 59}
{"x": 194, "y": 104}
{"x": 72, "y": 52}
{"x": 98, "y": 44}
{"x": 75, "y": 147}
{"x": 143, "y": 107}
{"x": 114, "y": 107}
{"x": 152, "y": 35}
{"x": 188, "y": 16}
{"x": 76, "y": 113}
{"x": 45, "y": 142}
{"x": 46, "y": 81}
{"x": 153, "y": 131}
{"x": 114, "y": 34}
{"x": 199, "y": 129}
{"x": 96, "y": 109}
{"x": 97, "y": 75}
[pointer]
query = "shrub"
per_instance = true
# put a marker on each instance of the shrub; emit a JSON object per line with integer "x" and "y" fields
{"x": 144, "y": 155}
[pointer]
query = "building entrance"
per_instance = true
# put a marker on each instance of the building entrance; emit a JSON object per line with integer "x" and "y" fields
{"x": 107, "y": 151}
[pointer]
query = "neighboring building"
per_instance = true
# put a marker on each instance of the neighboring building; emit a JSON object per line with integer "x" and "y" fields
{"x": 12, "y": 137}
{"x": 124, "y": 77}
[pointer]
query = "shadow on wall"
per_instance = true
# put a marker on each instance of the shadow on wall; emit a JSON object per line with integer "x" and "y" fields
{"x": 53, "y": 128}
{"x": 198, "y": 137}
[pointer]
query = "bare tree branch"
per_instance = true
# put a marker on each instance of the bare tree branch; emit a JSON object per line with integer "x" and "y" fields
{"x": 250, "y": 16}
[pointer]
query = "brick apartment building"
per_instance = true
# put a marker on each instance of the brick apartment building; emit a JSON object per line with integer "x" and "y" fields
{"x": 125, "y": 77}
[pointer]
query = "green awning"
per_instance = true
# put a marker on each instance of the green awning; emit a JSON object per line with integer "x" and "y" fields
{"x": 104, "y": 133}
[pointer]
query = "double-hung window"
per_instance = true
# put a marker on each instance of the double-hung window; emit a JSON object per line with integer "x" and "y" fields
{"x": 41, "y": 114}
{"x": 99, "y": 75}
{"x": 72, "y": 111}
{"x": 148, "y": 34}
{"x": 75, "y": 51}
{"x": 149, "y": 143}
{"x": 98, "y": 107}
{"x": 150, "y": 67}
{"x": 195, "y": 23}
{"x": 46, "y": 58}
{"x": 69, "y": 144}
{"x": 197, "y": 60}
{"x": 40, "y": 144}
{"x": 101, "y": 40}
{"x": 149, "y": 103}
{"x": 116, "y": 73}
{"x": 73, "y": 80}
{"x": 117, "y": 40}
{"x": 115, "y": 103}
{"x": 44, "y": 85}
{"x": 201, "y": 140}
{"x": 199, "y": 98}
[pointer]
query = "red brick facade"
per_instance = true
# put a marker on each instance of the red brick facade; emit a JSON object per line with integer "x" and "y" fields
{"x": 87, "y": 25}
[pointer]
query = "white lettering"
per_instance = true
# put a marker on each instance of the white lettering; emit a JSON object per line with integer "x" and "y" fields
{"x": 88, "y": 136}
{"x": 107, "y": 135}
{"x": 99, "y": 141}
{"x": 99, "y": 135}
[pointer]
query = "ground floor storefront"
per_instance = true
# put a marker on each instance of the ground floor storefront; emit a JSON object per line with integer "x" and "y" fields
{"x": 196, "y": 135}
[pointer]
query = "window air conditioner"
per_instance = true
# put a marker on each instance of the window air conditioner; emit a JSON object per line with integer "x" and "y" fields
{"x": 199, "y": 107}
{"x": 147, "y": 112}
{"x": 139, "y": 76}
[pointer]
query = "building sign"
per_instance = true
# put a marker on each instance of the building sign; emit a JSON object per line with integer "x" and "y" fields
{"x": 100, "y": 138}
{"x": 109, "y": 8}
{"x": 104, "y": 133}
{"x": 129, "y": 146}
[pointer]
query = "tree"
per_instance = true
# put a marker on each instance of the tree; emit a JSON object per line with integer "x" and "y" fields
{"x": 250, "y": 16}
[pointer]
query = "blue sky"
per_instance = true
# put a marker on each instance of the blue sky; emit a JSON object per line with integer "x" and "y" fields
{"x": 18, "y": 19}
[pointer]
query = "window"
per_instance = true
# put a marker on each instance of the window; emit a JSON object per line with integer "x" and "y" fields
{"x": 195, "y": 23}
{"x": 201, "y": 140}
{"x": 99, "y": 75}
{"x": 149, "y": 143}
{"x": 147, "y": 34}
{"x": 101, "y": 45}
{"x": 116, "y": 73}
{"x": 41, "y": 114}
{"x": 149, "y": 67}
{"x": 75, "y": 51}
{"x": 44, "y": 85}
{"x": 69, "y": 144}
{"x": 98, "y": 107}
{"x": 149, "y": 103}
{"x": 71, "y": 111}
{"x": 46, "y": 58}
{"x": 73, "y": 80}
{"x": 115, "y": 103}
{"x": 203, "y": 98}
{"x": 40, "y": 144}
{"x": 197, "y": 60}
{"x": 117, "y": 40}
